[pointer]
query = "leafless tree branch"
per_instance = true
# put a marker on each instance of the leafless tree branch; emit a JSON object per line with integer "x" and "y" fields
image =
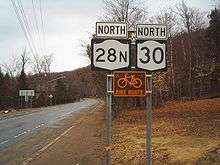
{"x": 129, "y": 11}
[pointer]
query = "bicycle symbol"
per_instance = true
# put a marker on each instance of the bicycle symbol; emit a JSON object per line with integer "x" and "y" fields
{"x": 131, "y": 80}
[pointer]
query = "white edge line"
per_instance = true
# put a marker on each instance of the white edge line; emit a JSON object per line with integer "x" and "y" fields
{"x": 47, "y": 146}
{"x": 4, "y": 142}
{"x": 21, "y": 134}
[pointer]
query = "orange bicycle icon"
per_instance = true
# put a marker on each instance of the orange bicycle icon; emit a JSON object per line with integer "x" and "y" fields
{"x": 131, "y": 80}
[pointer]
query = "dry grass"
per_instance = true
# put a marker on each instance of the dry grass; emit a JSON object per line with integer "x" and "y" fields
{"x": 182, "y": 133}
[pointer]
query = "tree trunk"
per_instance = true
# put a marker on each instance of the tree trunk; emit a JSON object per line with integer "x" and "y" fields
{"x": 172, "y": 76}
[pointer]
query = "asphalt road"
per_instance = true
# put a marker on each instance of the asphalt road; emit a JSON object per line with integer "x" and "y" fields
{"x": 16, "y": 128}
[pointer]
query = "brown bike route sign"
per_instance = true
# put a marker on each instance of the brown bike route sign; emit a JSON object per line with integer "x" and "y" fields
{"x": 129, "y": 83}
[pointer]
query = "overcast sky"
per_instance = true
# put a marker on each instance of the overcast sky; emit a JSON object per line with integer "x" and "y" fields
{"x": 67, "y": 24}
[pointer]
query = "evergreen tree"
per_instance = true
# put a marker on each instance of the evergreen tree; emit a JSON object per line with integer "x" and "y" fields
{"x": 23, "y": 80}
{"x": 214, "y": 32}
{"x": 214, "y": 37}
{"x": 60, "y": 92}
{"x": 7, "y": 90}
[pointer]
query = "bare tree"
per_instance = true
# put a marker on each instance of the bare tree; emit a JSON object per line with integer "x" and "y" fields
{"x": 129, "y": 11}
{"x": 16, "y": 64}
{"x": 24, "y": 59}
{"x": 190, "y": 20}
{"x": 37, "y": 64}
{"x": 168, "y": 18}
{"x": 47, "y": 61}
{"x": 42, "y": 64}
{"x": 12, "y": 67}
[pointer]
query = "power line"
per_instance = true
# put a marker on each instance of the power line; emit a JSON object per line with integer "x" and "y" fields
{"x": 22, "y": 25}
{"x": 36, "y": 23}
{"x": 26, "y": 23}
{"x": 42, "y": 26}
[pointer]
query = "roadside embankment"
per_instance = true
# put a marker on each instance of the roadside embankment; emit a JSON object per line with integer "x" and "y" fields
{"x": 183, "y": 133}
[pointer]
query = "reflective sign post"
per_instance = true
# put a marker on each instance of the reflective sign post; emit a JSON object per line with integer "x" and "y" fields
{"x": 21, "y": 102}
{"x": 109, "y": 116}
{"x": 149, "y": 120}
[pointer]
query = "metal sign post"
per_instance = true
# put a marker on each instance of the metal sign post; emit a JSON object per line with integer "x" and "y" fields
{"x": 26, "y": 99}
{"x": 21, "y": 102}
{"x": 111, "y": 50}
{"x": 109, "y": 116}
{"x": 31, "y": 101}
{"x": 149, "y": 120}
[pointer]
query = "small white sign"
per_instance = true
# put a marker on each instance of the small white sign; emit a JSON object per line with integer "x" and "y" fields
{"x": 50, "y": 96}
{"x": 110, "y": 54}
{"x": 26, "y": 93}
{"x": 110, "y": 29}
{"x": 151, "y": 55}
{"x": 151, "y": 31}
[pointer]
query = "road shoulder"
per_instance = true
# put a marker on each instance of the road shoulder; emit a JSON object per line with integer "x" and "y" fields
{"x": 82, "y": 144}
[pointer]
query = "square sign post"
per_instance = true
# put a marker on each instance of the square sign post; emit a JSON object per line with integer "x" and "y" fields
{"x": 109, "y": 116}
{"x": 110, "y": 51}
{"x": 151, "y": 56}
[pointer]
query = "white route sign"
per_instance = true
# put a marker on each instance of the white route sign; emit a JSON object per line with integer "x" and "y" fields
{"x": 110, "y": 29}
{"x": 110, "y": 54}
{"x": 151, "y": 31}
{"x": 26, "y": 92}
{"x": 151, "y": 55}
